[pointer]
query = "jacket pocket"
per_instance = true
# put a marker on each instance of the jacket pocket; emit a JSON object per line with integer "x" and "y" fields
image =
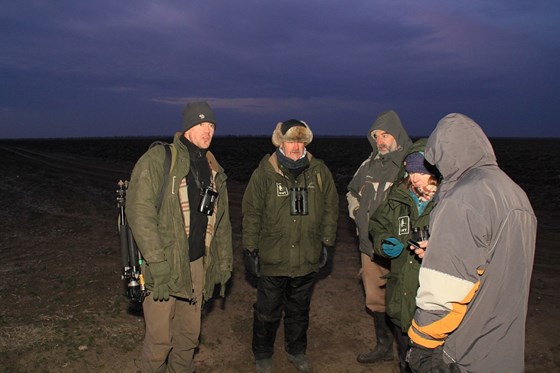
{"x": 270, "y": 247}
{"x": 312, "y": 246}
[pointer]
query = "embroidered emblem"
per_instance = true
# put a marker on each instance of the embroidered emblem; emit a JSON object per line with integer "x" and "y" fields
{"x": 281, "y": 190}
{"x": 404, "y": 225}
{"x": 201, "y": 116}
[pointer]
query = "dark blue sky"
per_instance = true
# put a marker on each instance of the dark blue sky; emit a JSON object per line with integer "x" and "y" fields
{"x": 126, "y": 68}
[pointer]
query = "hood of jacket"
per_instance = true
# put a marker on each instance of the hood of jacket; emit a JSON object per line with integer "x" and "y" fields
{"x": 457, "y": 145}
{"x": 389, "y": 122}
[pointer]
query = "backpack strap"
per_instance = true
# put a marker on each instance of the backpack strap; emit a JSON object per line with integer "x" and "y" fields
{"x": 168, "y": 164}
{"x": 166, "y": 169}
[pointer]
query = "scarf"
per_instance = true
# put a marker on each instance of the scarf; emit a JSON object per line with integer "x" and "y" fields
{"x": 295, "y": 167}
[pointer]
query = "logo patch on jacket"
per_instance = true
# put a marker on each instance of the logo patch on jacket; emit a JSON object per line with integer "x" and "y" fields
{"x": 281, "y": 190}
{"x": 404, "y": 225}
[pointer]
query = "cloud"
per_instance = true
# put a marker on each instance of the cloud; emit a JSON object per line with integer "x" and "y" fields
{"x": 259, "y": 60}
{"x": 259, "y": 105}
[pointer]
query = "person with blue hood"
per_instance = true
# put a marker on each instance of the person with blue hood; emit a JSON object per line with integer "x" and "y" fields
{"x": 477, "y": 264}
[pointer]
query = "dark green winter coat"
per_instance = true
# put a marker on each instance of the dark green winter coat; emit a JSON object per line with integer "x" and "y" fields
{"x": 162, "y": 236}
{"x": 289, "y": 245}
{"x": 397, "y": 217}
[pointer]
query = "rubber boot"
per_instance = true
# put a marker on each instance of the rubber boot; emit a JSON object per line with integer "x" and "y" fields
{"x": 383, "y": 351}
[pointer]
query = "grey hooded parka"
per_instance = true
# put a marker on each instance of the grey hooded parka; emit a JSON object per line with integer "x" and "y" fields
{"x": 371, "y": 182}
{"x": 475, "y": 275}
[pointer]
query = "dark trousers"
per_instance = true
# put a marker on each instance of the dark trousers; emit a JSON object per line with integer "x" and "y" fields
{"x": 403, "y": 344}
{"x": 277, "y": 294}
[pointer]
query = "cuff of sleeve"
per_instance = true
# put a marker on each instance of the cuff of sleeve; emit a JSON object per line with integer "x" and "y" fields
{"x": 418, "y": 339}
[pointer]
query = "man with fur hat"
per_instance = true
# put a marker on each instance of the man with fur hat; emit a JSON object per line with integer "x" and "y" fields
{"x": 367, "y": 190}
{"x": 186, "y": 242}
{"x": 290, "y": 213}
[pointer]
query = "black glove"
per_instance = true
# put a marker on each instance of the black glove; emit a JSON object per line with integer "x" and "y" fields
{"x": 251, "y": 261}
{"x": 427, "y": 360}
{"x": 324, "y": 257}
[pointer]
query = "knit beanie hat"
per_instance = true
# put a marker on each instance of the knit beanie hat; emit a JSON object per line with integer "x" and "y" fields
{"x": 195, "y": 113}
{"x": 415, "y": 163}
{"x": 292, "y": 130}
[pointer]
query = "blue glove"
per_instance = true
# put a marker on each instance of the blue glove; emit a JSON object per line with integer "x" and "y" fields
{"x": 392, "y": 247}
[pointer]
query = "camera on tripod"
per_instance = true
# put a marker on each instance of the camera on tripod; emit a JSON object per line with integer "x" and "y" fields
{"x": 298, "y": 201}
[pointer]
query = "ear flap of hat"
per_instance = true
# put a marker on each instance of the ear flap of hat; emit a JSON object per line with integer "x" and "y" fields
{"x": 297, "y": 133}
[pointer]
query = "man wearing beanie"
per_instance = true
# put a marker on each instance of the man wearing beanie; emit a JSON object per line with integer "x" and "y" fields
{"x": 404, "y": 215}
{"x": 290, "y": 213}
{"x": 186, "y": 242}
{"x": 367, "y": 190}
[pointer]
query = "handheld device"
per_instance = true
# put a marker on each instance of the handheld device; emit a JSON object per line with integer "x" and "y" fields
{"x": 414, "y": 243}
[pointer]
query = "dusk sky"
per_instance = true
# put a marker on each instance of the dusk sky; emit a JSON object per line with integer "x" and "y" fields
{"x": 102, "y": 68}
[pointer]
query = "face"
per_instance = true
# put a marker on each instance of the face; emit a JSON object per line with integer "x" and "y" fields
{"x": 201, "y": 134}
{"x": 293, "y": 150}
{"x": 386, "y": 143}
{"x": 419, "y": 180}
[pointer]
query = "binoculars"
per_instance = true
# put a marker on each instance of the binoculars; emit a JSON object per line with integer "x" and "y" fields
{"x": 298, "y": 201}
{"x": 420, "y": 234}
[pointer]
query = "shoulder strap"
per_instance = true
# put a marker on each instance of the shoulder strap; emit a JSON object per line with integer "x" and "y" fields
{"x": 319, "y": 181}
{"x": 170, "y": 155}
{"x": 173, "y": 157}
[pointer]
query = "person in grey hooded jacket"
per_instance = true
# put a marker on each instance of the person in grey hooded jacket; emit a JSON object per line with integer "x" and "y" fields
{"x": 477, "y": 264}
{"x": 367, "y": 190}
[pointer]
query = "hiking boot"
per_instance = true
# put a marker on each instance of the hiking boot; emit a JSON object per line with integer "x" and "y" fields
{"x": 300, "y": 361}
{"x": 264, "y": 366}
{"x": 383, "y": 350}
{"x": 380, "y": 353}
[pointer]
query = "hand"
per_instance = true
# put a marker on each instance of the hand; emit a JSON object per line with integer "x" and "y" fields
{"x": 392, "y": 247}
{"x": 324, "y": 256}
{"x": 252, "y": 262}
{"x": 161, "y": 273}
{"x": 422, "y": 359}
{"x": 420, "y": 251}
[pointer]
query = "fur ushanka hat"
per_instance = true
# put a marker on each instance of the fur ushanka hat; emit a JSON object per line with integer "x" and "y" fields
{"x": 292, "y": 130}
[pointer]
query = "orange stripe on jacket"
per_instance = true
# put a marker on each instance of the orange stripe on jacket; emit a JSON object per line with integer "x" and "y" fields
{"x": 440, "y": 329}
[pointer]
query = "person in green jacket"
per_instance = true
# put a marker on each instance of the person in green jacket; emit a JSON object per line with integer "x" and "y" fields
{"x": 186, "y": 243}
{"x": 290, "y": 213}
{"x": 404, "y": 215}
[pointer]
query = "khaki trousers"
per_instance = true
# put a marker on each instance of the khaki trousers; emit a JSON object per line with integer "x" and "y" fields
{"x": 374, "y": 284}
{"x": 173, "y": 329}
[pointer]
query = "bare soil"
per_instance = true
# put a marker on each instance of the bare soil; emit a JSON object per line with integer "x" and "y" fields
{"x": 62, "y": 303}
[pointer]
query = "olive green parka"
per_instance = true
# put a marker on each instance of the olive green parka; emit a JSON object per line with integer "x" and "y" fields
{"x": 289, "y": 245}
{"x": 397, "y": 217}
{"x": 161, "y": 236}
